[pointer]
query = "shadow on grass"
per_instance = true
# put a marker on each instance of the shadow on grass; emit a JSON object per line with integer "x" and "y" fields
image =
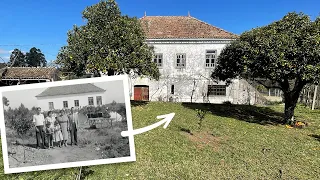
{"x": 317, "y": 137}
{"x": 31, "y": 145}
{"x": 248, "y": 113}
{"x": 138, "y": 103}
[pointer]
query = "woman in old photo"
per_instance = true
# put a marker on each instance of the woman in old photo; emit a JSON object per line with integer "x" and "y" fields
{"x": 63, "y": 121}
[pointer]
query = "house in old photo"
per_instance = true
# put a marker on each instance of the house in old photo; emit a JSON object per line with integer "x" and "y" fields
{"x": 186, "y": 51}
{"x": 65, "y": 97}
{"x": 27, "y": 75}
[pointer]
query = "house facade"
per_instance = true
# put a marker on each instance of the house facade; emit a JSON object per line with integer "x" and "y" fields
{"x": 65, "y": 97}
{"x": 186, "y": 51}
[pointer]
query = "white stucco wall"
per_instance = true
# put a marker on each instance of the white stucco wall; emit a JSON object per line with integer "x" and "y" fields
{"x": 43, "y": 102}
{"x": 239, "y": 92}
{"x": 183, "y": 79}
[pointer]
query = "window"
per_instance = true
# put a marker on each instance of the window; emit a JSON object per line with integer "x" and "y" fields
{"x": 211, "y": 56}
{"x": 99, "y": 100}
{"x": 217, "y": 90}
{"x": 90, "y": 101}
{"x": 158, "y": 59}
{"x": 65, "y": 104}
{"x": 172, "y": 89}
{"x": 76, "y": 103}
{"x": 51, "y": 107}
{"x": 181, "y": 60}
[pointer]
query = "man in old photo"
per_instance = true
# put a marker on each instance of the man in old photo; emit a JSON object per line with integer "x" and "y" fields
{"x": 73, "y": 126}
{"x": 38, "y": 120}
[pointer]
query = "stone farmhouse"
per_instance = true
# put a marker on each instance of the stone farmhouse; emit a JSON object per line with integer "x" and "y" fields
{"x": 186, "y": 51}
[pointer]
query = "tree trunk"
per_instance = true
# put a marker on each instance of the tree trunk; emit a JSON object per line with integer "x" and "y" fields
{"x": 290, "y": 99}
{"x": 289, "y": 107}
{"x": 111, "y": 72}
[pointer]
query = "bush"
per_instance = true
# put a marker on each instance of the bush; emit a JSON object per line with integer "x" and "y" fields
{"x": 227, "y": 103}
{"x": 19, "y": 119}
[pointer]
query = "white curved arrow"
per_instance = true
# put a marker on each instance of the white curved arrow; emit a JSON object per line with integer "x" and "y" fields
{"x": 166, "y": 119}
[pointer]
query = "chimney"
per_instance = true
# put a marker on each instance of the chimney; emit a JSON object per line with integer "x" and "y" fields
{"x": 189, "y": 14}
{"x": 145, "y": 13}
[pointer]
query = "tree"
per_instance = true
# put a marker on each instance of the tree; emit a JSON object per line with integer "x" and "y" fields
{"x": 17, "y": 58}
{"x": 284, "y": 54}
{"x": 35, "y": 58}
{"x": 5, "y": 101}
{"x": 20, "y": 121}
{"x": 109, "y": 43}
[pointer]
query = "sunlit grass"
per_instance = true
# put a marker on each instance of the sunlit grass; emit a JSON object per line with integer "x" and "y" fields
{"x": 240, "y": 149}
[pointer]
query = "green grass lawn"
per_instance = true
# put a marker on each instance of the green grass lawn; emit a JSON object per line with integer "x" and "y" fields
{"x": 234, "y": 142}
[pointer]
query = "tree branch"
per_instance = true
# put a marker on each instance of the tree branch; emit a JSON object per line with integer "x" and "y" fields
{"x": 267, "y": 86}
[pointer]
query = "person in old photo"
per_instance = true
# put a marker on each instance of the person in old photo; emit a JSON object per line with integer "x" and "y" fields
{"x": 73, "y": 126}
{"x": 39, "y": 122}
{"x": 63, "y": 120}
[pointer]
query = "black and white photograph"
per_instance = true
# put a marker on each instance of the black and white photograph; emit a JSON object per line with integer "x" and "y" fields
{"x": 66, "y": 124}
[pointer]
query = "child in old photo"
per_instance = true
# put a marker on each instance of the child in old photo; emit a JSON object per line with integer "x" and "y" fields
{"x": 49, "y": 134}
{"x": 58, "y": 138}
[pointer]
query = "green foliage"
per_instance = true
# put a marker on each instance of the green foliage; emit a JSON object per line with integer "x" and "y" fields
{"x": 285, "y": 53}
{"x": 201, "y": 114}
{"x": 19, "y": 119}
{"x": 18, "y": 58}
{"x": 35, "y": 58}
{"x": 109, "y": 42}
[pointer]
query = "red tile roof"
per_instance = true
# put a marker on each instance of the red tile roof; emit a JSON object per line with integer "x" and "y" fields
{"x": 29, "y": 73}
{"x": 181, "y": 27}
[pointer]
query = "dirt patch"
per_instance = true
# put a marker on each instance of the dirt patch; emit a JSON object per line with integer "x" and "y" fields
{"x": 204, "y": 139}
{"x": 93, "y": 144}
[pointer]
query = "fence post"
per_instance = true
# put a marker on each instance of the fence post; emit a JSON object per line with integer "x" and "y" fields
{"x": 314, "y": 96}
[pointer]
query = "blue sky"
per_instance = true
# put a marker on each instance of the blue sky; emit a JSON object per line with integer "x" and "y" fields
{"x": 44, "y": 24}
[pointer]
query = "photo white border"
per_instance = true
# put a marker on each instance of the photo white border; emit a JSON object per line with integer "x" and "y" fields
{"x": 131, "y": 158}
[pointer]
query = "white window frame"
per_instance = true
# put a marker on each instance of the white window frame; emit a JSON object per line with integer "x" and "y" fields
{"x": 157, "y": 57}
{"x": 211, "y": 58}
{"x": 75, "y": 105}
{"x": 67, "y": 105}
{"x": 217, "y": 90}
{"x": 100, "y": 101}
{"x": 182, "y": 58}
{"x": 89, "y": 101}
{"x": 51, "y": 107}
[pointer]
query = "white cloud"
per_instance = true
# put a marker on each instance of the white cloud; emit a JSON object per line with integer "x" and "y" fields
{"x": 2, "y": 51}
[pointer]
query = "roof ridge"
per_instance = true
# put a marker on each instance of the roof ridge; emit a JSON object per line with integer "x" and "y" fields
{"x": 212, "y": 25}
{"x": 164, "y": 16}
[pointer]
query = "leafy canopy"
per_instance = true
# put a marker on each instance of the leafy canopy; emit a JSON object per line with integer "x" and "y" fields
{"x": 17, "y": 58}
{"x": 284, "y": 51}
{"x": 33, "y": 58}
{"x": 109, "y": 42}
{"x": 284, "y": 54}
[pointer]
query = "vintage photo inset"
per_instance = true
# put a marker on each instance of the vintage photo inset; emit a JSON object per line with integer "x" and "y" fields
{"x": 66, "y": 124}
